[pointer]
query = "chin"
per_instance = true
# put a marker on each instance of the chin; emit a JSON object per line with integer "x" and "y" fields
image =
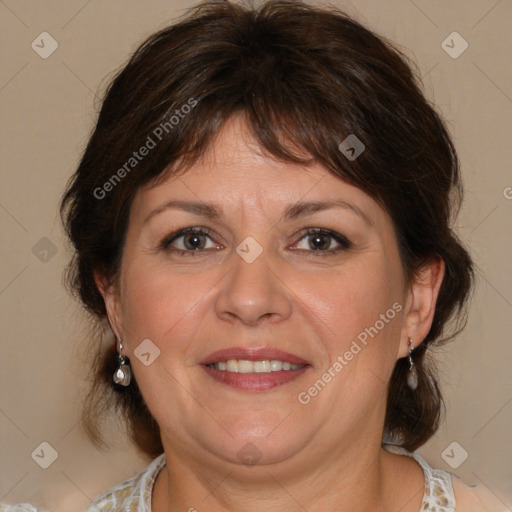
{"x": 255, "y": 446}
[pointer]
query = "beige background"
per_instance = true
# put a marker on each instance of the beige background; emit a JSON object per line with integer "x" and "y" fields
{"x": 48, "y": 108}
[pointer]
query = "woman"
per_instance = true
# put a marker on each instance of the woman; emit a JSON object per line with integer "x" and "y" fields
{"x": 263, "y": 215}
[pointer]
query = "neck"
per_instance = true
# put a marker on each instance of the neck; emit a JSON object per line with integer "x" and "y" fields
{"x": 350, "y": 479}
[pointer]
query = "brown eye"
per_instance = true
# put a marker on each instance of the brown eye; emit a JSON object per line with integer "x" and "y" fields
{"x": 189, "y": 240}
{"x": 323, "y": 240}
{"x": 194, "y": 241}
{"x": 320, "y": 242}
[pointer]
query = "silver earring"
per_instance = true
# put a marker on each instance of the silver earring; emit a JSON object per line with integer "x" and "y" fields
{"x": 412, "y": 374}
{"x": 123, "y": 374}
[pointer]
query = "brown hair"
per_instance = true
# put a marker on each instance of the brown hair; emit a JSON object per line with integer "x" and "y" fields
{"x": 305, "y": 78}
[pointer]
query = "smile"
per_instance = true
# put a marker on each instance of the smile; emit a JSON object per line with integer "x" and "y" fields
{"x": 245, "y": 366}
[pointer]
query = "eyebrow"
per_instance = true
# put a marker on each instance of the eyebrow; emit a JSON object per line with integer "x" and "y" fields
{"x": 197, "y": 208}
{"x": 301, "y": 209}
{"x": 294, "y": 211}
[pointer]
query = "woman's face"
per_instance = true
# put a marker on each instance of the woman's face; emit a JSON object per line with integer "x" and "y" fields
{"x": 281, "y": 263}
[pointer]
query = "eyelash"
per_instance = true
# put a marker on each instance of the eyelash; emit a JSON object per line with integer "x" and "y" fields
{"x": 344, "y": 242}
{"x": 167, "y": 241}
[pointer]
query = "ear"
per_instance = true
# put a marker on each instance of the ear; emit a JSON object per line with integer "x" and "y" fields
{"x": 421, "y": 304}
{"x": 110, "y": 295}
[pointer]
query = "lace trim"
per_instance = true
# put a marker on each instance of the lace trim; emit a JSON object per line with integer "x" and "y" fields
{"x": 20, "y": 507}
{"x": 438, "y": 495}
{"x": 132, "y": 495}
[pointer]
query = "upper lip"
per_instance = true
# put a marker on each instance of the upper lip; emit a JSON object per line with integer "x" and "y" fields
{"x": 252, "y": 354}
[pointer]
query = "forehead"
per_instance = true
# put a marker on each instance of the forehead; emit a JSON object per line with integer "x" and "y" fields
{"x": 235, "y": 172}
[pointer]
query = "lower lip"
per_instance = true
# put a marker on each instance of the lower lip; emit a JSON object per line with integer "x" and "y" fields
{"x": 255, "y": 381}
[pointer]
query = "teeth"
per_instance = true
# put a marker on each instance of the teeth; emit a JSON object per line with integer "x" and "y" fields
{"x": 231, "y": 366}
{"x": 245, "y": 366}
{"x": 261, "y": 366}
{"x": 276, "y": 365}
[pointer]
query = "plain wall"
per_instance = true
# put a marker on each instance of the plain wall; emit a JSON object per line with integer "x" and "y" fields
{"x": 47, "y": 112}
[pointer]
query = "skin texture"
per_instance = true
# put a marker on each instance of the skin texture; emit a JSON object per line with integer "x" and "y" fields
{"x": 325, "y": 455}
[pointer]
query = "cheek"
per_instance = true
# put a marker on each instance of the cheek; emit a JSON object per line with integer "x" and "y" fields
{"x": 351, "y": 299}
{"x": 162, "y": 305}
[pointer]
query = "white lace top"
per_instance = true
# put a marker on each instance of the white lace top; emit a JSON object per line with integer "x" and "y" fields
{"x": 134, "y": 494}
{"x": 438, "y": 495}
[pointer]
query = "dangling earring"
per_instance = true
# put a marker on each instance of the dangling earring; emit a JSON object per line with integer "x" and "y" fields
{"x": 123, "y": 374}
{"x": 412, "y": 375}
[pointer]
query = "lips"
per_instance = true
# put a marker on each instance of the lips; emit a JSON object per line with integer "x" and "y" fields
{"x": 252, "y": 354}
{"x": 254, "y": 381}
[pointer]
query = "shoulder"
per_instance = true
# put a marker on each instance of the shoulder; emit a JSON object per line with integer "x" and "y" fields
{"x": 124, "y": 496}
{"x": 132, "y": 495}
{"x": 19, "y": 507}
{"x": 475, "y": 499}
{"x": 446, "y": 492}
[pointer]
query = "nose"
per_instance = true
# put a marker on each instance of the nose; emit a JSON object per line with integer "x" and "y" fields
{"x": 253, "y": 293}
